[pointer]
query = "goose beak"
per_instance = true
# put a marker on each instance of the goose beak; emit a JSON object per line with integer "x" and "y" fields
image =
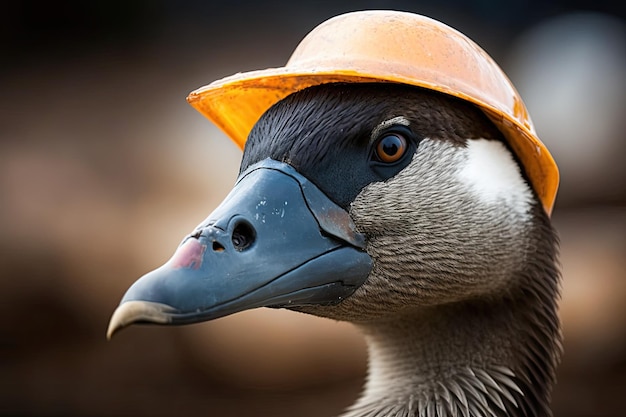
{"x": 275, "y": 241}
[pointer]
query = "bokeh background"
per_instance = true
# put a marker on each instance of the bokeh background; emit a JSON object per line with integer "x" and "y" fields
{"x": 104, "y": 168}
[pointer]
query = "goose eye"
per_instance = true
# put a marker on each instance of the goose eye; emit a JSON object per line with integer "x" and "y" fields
{"x": 391, "y": 147}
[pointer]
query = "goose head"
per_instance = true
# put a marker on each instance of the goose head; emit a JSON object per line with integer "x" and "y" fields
{"x": 399, "y": 209}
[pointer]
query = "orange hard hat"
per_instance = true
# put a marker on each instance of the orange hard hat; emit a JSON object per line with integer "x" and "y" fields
{"x": 386, "y": 46}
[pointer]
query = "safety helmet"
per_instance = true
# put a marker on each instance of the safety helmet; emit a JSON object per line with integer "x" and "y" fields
{"x": 386, "y": 46}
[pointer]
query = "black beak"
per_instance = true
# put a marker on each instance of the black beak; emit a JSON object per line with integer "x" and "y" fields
{"x": 275, "y": 241}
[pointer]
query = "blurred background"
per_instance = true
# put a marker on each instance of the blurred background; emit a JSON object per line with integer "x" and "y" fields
{"x": 104, "y": 168}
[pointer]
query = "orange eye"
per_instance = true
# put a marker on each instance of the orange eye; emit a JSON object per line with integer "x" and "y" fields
{"x": 391, "y": 147}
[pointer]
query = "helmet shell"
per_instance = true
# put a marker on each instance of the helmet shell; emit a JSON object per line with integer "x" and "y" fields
{"x": 386, "y": 46}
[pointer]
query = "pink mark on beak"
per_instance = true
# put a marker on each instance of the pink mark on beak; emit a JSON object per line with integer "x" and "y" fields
{"x": 189, "y": 255}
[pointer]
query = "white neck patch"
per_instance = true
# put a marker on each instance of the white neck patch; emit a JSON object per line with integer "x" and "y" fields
{"x": 492, "y": 174}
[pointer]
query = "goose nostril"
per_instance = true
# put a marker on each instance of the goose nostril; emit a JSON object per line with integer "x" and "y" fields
{"x": 217, "y": 247}
{"x": 243, "y": 236}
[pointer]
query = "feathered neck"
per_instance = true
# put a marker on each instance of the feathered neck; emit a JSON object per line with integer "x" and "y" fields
{"x": 492, "y": 357}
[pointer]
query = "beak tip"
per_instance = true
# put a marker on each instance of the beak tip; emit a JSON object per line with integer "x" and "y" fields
{"x": 112, "y": 329}
{"x": 130, "y": 312}
{"x": 110, "y": 333}
{"x": 119, "y": 320}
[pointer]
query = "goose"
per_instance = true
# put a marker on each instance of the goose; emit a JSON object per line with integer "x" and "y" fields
{"x": 410, "y": 204}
